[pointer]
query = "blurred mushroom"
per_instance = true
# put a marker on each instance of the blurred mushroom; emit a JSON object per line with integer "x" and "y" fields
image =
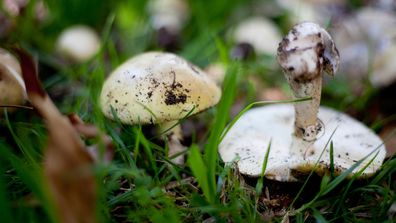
{"x": 216, "y": 72}
{"x": 168, "y": 17}
{"x": 12, "y": 86}
{"x": 249, "y": 36}
{"x": 158, "y": 88}
{"x": 367, "y": 43}
{"x": 78, "y": 43}
{"x": 303, "y": 54}
{"x": 320, "y": 12}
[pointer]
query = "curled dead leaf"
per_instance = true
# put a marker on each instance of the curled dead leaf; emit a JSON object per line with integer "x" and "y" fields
{"x": 68, "y": 166}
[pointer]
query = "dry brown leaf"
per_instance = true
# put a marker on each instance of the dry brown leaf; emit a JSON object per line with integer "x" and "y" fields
{"x": 90, "y": 131}
{"x": 67, "y": 165}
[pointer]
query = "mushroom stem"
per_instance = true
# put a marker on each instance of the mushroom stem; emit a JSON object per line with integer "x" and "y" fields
{"x": 174, "y": 135}
{"x": 304, "y": 53}
{"x": 306, "y": 124}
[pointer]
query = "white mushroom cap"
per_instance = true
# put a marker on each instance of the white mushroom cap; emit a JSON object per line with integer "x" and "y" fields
{"x": 12, "y": 86}
{"x": 78, "y": 43}
{"x": 259, "y": 32}
{"x": 300, "y": 52}
{"x": 172, "y": 14}
{"x": 247, "y": 141}
{"x": 157, "y": 87}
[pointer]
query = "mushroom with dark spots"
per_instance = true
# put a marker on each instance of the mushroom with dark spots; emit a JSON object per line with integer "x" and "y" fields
{"x": 165, "y": 90}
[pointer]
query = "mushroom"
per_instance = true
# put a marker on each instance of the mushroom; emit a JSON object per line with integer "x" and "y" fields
{"x": 78, "y": 43}
{"x": 248, "y": 36}
{"x": 216, "y": 71}
{"x": 303, "y": 54}
{"x": 158, "y": 88}
{"x": 12, "y": 87}
{"x": 321, "y": 11}
{"x": 168, "y": 17}
{"x": 367, "y": 44}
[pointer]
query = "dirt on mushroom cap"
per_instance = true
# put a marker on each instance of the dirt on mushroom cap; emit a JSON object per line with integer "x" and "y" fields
{"x": 157, "y": 87}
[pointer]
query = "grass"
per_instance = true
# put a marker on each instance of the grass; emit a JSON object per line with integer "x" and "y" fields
{"x": 140, "y": 184}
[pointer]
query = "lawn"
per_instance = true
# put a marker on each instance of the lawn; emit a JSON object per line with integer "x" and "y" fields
{"x": 138, "y": 182}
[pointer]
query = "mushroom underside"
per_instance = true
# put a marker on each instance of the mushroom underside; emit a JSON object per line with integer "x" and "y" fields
{"x": 247, "y": 141}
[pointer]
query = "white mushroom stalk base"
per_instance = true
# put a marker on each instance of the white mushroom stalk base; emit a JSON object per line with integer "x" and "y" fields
{"x": 173, "y": 138}
{"x": 247, "y": 141}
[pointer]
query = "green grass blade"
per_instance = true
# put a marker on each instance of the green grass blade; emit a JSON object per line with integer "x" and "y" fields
{"x": 5, "y": 204}
{"x": 318, "y": 216}
{"x": 200, "y": 171}
{"x": 331, "y": 159}
{"x": 224, "y": 106}
{"x": 260, "y": 182}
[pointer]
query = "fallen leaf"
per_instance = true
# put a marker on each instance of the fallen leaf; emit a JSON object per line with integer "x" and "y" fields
{"x": 89, "y": 131}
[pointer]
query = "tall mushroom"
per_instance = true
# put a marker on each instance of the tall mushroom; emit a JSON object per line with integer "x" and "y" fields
{"x": 305, "y": 52}
{"x": 12, "y": 86}
{"x": 158, "y": 88}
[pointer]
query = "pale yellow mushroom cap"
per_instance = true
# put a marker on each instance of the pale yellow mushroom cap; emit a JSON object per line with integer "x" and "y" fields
{"x": 157, "y": 87}
{"x": 12, "y": 87}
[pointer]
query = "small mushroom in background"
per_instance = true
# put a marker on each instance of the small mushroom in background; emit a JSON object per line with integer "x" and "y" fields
{"x": 168, "y": 18}
{"x": 216, "y": 72}
{"x": 249, "y": 36}
{"x": 158, "y": 88}
{"x": 368, "y": 48}
{"x": 78, "y": 43}
{"x": 303, "y": 54}
{"x": 12, "y": 86}
{"x": 367, "y": 43}
{"x": 320, "y": 12}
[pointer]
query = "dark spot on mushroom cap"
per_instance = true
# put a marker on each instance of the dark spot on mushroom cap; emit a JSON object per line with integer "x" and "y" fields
{"x": 294, "y": 32}
{"x": 193, "y": 68}
{"x": 171, "y": 98}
